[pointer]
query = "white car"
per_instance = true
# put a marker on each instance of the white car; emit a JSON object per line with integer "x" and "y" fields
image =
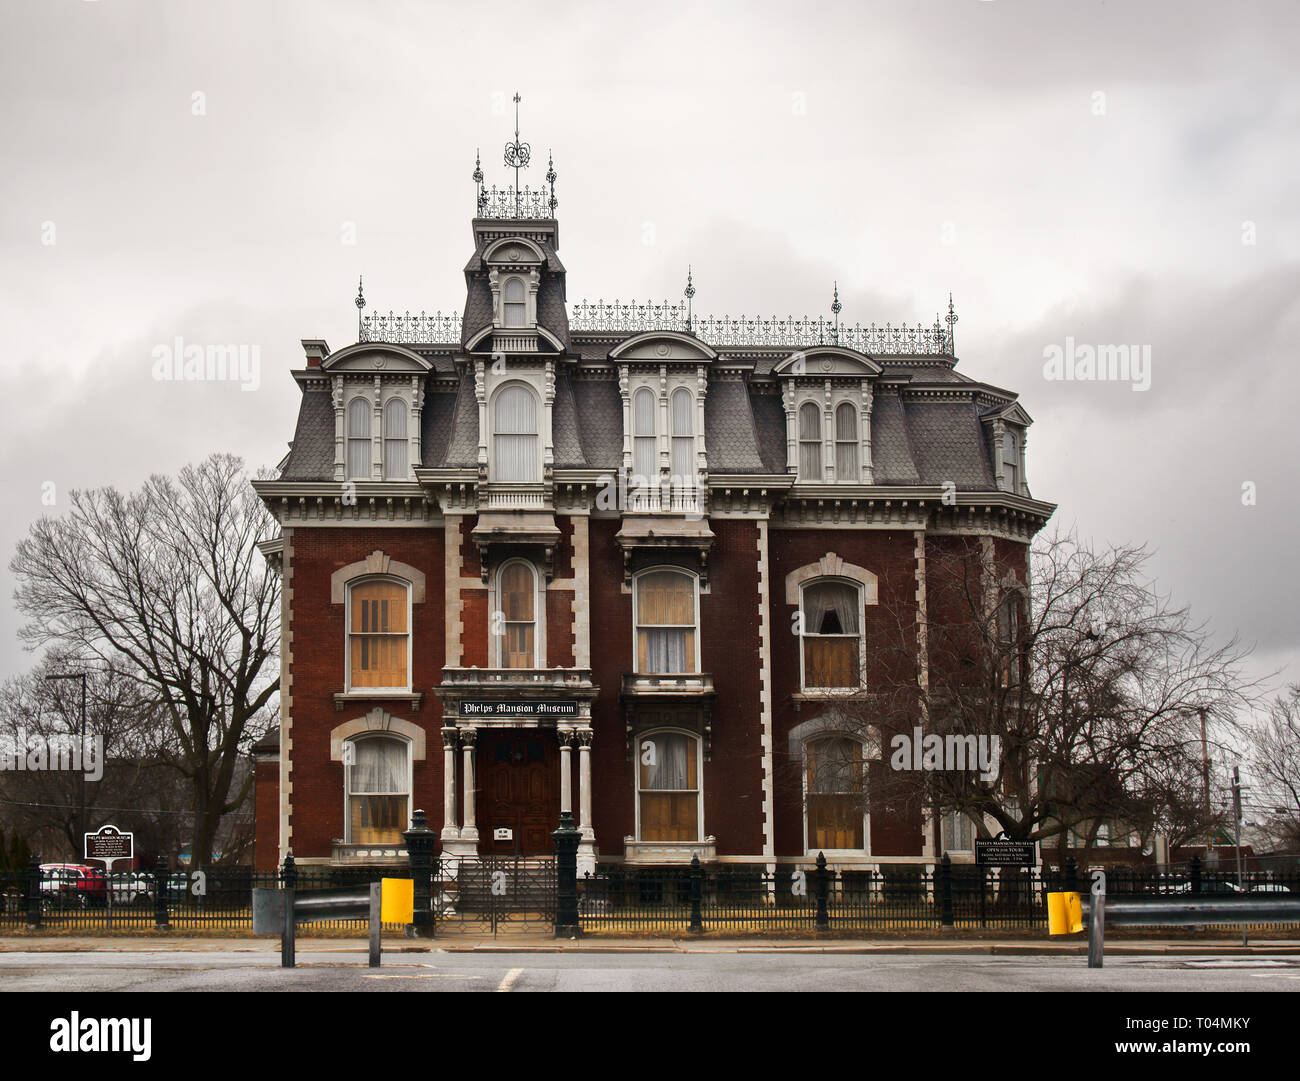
{"x": 131, "y": 888}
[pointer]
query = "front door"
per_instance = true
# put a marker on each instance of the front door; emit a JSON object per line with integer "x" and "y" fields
{"x": 519, "y": 791}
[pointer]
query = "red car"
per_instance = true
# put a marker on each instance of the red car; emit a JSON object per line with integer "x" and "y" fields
{"x": 64, "y": 885}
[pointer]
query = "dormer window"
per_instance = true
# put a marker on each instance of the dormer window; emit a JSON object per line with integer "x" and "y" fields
{"x": 810, "y": 442}
{"x": 1011, "y": 462}
{"x": 515, "y": 303}
{"x": 847, "y": 443}
{"x": 359, "y": 439}
{"x": 644, "y": 451}
{"x": 396, "y": 446}
{"x": 683, "y": 448}
{"x": 514, "y": 447}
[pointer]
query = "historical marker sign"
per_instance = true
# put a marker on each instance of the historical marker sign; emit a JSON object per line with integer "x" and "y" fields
{"x": 1003, "y": 853}
{"x": 110, "y": 843}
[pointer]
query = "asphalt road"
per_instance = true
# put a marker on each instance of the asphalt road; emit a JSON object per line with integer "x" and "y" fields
{"x": 629, "y": 971}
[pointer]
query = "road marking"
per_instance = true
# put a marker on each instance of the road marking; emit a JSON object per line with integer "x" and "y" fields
{"x": 508, "y": 981}
{"x": 418, "y": 976}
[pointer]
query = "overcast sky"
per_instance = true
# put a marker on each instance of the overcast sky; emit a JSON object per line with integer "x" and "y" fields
{"x": 1112, "y": 173}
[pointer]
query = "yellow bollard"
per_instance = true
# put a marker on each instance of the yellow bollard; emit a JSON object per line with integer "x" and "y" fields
{"x": 1064, "y": 913}
{"x": 398, "y": 900}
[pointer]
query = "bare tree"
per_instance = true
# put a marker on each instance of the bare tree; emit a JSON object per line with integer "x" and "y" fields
{"x": 1088, "y": 679}
{"x": 1275, "y": 763}
{"x": 168, "y": 582}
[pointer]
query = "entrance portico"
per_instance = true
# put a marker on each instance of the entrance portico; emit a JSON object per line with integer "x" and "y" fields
{"x": 509, "y": 738}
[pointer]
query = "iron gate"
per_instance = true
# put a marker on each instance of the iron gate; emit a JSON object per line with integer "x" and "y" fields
{"x": 495, "y": 895}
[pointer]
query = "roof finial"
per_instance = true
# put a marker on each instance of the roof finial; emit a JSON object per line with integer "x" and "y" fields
{"x": 517, "y": 153}
{"x": 836, "y": 308}
{"x": 951, "y": 320}
{"x": 360, "y": 302}
{"x": 689, "y": 294}
{"x": 550, "y": 179}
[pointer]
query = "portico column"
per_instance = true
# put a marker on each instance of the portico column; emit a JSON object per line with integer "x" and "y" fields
{"x": 468, "y": 738}
{"x": 584, "y": 784}
{"x": 449, "y": 830}
{"x": 566, "y": 772}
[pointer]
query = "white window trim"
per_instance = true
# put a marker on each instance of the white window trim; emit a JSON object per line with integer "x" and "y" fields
{"x": 815, "y": 737}
{"x": 836, "y": 441}
{"x": 347, "y": 782}
{"x": 861, "y": 636}
{"x": 694, "y": 670}
{"x": 497, "y": 645}
{"x": 348, "y": 632}
{"x": 700, "y": 833}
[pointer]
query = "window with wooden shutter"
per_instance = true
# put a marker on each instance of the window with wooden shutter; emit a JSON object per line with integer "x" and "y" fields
{"x": 669, "y": 787}
{"x": 378, "y": 635}
{"x": 835, "y": 794}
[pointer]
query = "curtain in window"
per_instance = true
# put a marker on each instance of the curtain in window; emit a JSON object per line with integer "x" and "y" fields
{"x": 810, "y": 442}
{"x": 377, "y": 792}
{"x": 378, "y": 635}
{"x": 846, "y": 443}
{"x": 683, "y": 463}
{"x": 670, "y": 789}
{"x": 644, "y": 454}
{"x": 665, "y": 622}
{"x": 516, "y": 435}
{"x": 830, "y": 608}
{"x": 835, "y": 794}
{"x": 831, "y": 630}
{"x": 359, "y": 439}
{"x": 395, "y": 444}
{"x": 517, "y": 599}
{"x": 516, "y": 308}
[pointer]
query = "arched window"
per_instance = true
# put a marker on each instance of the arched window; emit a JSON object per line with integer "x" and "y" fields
{"x": 377, "y": 779}
{"x": 668, "y": 787}
{"x": 379, "y": 635}
{"x": 517, "y": 598}
{"x": 683, "y": 450}
{"x": 846, "y": 443}
{"x": 396, "y": 446}
{"x": 831, "y": 633}
{"x": 644, "y": 463}
{"x": 665, "y": 623}
{"x": 810, "y": 442}
{"x": 359, "y": 439}
{"x": 836, "y": 803}
{"x": 516, "y": 308}
{"x": 1011, "y": 462}
{"x": 515, "y": 456}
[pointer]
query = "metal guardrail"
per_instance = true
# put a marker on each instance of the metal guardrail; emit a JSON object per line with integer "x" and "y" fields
{"x": 282, "y": 910}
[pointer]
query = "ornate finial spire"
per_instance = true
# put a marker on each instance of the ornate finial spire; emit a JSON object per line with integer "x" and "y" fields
{"x": 836, "y": 308}
{"x": 517, "y": 153}
{"x": 360, "y": 302}
{"x": 951, "y": 320}
{"x": 550, "y": 179}
{"x": 689, "y": 294}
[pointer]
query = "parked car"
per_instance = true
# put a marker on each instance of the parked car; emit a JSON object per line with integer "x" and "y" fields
{"x": 1211, "y": 887}
{"x": 68, "y": 885}
{"x": 132, "y": 888}
{"x": 1270, "y": 887}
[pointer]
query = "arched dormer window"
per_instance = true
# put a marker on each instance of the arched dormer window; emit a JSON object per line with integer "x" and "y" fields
{"x": 379, "y": 638}
{"x": 831, "y": 635}
{"x": 810, "y": 442}
{"x": 846, "y": 443}
{"x": 683, "y": 446}
{"x": 1011, "y": 462}
{"x": 517, "y": 604}
{"x": 396, "y": 446}
{"x": 514, "y": 302}
{"x": 515, "y": 456}
{"x": 666, "y": 615}
{"x": 644, "y": 450}
{"x": 359, "y": 439}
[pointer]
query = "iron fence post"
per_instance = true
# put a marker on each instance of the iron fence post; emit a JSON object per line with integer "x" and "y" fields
{"x": 567, "y": 839}
{"x": 161, "y": 918}
{"x": 34, "y": 893}
{"x": 945, "y": 891}
{"x": 288, "y": 880}
{"x": 823, "y": 889}
{"x": 419, "y": 853}
{"x": 1071, "y": 875}
{"x": 696, "y": 926}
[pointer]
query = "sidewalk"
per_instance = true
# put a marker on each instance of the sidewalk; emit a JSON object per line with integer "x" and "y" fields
{"x": 515, "y": 943}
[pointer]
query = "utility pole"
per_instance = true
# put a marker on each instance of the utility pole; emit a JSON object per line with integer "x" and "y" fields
{"x": 1236, "y": 816}
{"x": 81, "y": 802}
{"x": 1205, "y": 785}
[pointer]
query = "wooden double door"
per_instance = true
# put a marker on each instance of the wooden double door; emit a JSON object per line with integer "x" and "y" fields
{"x": 519, "y": 790}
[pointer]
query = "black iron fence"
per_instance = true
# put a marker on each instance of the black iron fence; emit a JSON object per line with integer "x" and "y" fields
{"x": 624, "y": 899}
{"x": 57, "y": 898}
